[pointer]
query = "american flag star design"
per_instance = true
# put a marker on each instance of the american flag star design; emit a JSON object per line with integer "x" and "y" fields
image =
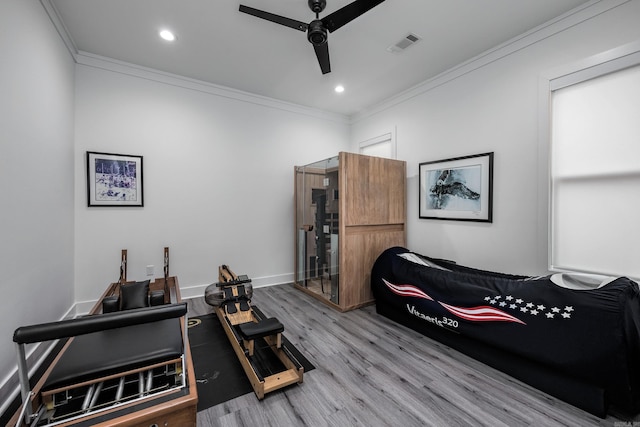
{"x": 532, "y": 308}
{"x": 483, "y": 313}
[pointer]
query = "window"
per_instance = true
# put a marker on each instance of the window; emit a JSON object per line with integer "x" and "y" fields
{"x": 594, "y": 155}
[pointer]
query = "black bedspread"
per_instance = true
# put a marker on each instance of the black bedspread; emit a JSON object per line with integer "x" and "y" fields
{"x": 587, "y": 339}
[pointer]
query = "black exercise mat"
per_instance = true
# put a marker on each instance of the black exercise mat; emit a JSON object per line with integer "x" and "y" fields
{"x": 219, "y": 374}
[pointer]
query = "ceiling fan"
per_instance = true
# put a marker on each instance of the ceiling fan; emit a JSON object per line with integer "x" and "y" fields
{"x": 317, "y": 29}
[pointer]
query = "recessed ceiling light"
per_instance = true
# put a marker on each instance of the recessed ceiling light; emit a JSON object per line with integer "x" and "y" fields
{"x": 167, "y": 35}
{"x": 339, "y": 89}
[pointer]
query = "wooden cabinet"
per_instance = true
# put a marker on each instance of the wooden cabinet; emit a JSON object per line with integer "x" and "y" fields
{"x": 349, "y": 209}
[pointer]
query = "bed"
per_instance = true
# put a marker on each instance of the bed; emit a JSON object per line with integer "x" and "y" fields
{"x": 576, "y": 337}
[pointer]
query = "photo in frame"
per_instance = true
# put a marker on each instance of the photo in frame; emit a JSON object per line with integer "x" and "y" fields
{"x": 114, "y": 180}
{"x": 458, "y": 189}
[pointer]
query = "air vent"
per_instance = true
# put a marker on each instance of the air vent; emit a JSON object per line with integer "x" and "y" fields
{"x": 404, "y": 43}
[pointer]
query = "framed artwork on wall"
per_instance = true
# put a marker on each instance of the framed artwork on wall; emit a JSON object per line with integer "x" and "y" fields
{"x": 458, "y": 189}
{"x": 114, "y": 180}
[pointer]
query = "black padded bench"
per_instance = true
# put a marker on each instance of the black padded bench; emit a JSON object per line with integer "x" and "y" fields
{"x": 251, "y": 331}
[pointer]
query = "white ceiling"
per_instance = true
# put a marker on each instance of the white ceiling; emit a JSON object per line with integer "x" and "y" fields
{"x": 218, "y": 44}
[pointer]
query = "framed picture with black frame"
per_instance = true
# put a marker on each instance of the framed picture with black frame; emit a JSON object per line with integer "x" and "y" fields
{"x": 459, "y": 188}
{"x": 114, "y": 180}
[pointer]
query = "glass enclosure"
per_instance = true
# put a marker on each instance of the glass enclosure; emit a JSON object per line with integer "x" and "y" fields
{"x": 317, "y": 262}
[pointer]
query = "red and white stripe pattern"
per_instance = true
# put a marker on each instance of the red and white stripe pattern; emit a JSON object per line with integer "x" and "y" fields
{"x": 407, "y": 290}
{"x": 474, "y": 314}
{"x": 481, "y": 314}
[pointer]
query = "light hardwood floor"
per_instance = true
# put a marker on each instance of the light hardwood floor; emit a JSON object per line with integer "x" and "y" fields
{"x": 371, "y": 371}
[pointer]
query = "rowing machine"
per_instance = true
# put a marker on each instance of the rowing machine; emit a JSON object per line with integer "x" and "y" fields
{"x": 253, "y": 337}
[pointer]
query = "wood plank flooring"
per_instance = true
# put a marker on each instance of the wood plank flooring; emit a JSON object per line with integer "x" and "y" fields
{"x": 371, "y": 371}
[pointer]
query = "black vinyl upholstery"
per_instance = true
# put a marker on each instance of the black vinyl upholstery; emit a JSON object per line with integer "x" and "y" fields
{"x": 254, "y": 330}
{"x": 134, "y": 295}
{"x": 90, "y": 324}
{"x": 112, "y": 351}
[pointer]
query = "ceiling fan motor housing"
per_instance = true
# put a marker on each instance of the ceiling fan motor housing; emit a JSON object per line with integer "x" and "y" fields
{"x": 317, "y": 6}
{"x": 317, "y": 30}
{"x": 317, "y": 33}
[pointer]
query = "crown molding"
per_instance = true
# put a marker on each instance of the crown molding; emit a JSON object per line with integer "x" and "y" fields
{"x": 117, "y": 66}
{"x": 548, "y": 29}
{"x": 114, "y": 65}
{"x": 535, "y": 35}
{"x": 54, "y": 16}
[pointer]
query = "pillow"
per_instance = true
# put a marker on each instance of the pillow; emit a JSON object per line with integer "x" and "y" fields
{"x": 134, "y": 295}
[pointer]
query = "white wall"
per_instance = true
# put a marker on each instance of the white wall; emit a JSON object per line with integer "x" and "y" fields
{"x": 36, "y": 175}
{"x": 492, "y": 106}
{"x": 218, "y": 179}
{"x": 219, "y": 171}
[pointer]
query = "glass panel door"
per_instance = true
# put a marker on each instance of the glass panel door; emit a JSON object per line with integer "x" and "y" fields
{"x": 317, "y": 228}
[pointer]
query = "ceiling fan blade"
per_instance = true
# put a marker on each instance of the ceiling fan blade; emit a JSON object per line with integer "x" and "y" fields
{"x": 287, "y": 22}
{"x": 322, "y": 53}
{"x": 348, "y": 13}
